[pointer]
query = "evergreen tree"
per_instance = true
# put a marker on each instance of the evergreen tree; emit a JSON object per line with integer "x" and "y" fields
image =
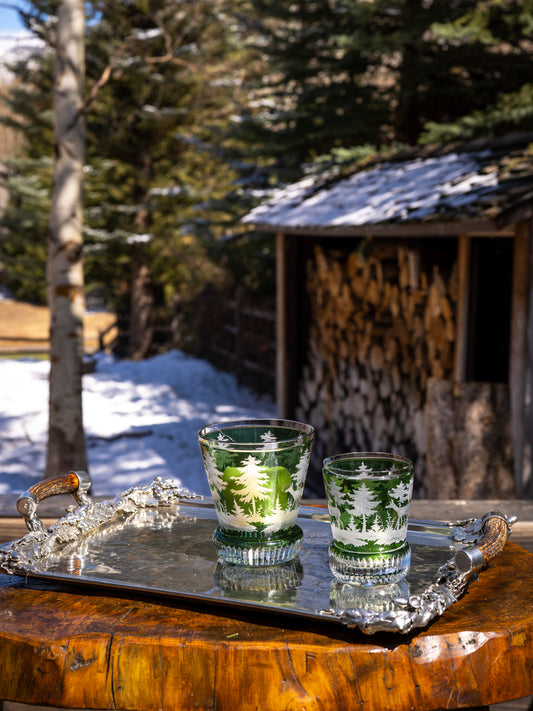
{"x": 347, "y": 77}
{"x": 316, "y": 94}
{"x": 154, "y": 131}
{"x": 161, "y": 87}
{"x": 503, "y": 30}
{"x": 187, "y": 126}
{"x": 27, "y": 176}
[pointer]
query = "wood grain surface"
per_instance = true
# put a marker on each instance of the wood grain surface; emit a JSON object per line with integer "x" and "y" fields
{"x": 74, "y": 648}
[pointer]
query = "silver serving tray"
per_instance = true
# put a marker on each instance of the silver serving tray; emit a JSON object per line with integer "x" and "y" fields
{"x": 157, "y": 540}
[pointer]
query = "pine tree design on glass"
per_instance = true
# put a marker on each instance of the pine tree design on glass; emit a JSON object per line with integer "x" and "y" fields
{"x": 368, "y": 495}
{"x": 253, "y": 492}
{"x": 256, "y": 472}
{"x": 370, "y": 515}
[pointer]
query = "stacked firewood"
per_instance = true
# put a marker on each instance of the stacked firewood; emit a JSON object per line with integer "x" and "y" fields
{"x": 380, "y": 327}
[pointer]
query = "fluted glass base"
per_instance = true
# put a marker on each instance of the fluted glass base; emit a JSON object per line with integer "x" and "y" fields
{"x": 370, "y": 568}
{"x": 242, "y": 548}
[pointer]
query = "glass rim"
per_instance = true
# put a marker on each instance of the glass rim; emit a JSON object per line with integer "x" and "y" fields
{"x": 302, "y": 430}
{"x": 329, "y": 464}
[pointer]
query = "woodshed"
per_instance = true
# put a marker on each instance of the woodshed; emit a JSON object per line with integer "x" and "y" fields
{"x": 404, "y": 313}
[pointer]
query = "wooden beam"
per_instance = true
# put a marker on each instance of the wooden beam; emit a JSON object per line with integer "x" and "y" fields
{"x": 281, "y": 326}
{"x": 520, "y": 366}
{"x": 527, "y": 463}
{"x": 461, "y": 331}
{"x": 478, "y": 228}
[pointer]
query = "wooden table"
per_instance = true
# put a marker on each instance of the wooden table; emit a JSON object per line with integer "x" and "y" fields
{"x": 79, "y": 648}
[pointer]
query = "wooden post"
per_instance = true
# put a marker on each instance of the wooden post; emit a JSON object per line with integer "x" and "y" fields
{"x": 519, "y": 366}
{"x": 461, "y": 340}
{"x": 527, "y": 461}
{"x": 281, "y": 327}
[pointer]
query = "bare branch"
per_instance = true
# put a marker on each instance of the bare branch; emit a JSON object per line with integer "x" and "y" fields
{"x": 170, "y": 58}
{"x": 104, "y": 77}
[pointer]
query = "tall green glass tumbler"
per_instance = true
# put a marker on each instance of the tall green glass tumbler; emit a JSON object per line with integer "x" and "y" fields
{"x": 369, "y": 494}
{"x": 256, "y": 471}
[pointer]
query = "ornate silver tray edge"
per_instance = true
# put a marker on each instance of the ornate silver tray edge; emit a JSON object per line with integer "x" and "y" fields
{"x": 22, "y": 556}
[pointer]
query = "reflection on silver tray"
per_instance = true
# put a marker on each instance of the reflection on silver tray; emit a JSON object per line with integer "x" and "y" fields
{"x": 157, "y": 539}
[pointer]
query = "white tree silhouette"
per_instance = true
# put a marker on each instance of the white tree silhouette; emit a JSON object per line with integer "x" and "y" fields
{"x": 335, "y": 497}
{"x": 237, "y": 518}
{"x": 335, "y": 490}
{"x": 279, "y": 518}
{"x": 386, "y": 536}
{"x": 364, "y": 502}
{"x": 255, "y": 482}
{"x": 214, "y": 476}
{"x": 349, "y": 536}
{"x": 400, "y": 495}
{"x": 334, "y": 513}
{"x": 223, "y": 441}
{"x": 302, "y": 467}
{"x": 402, "y": 491}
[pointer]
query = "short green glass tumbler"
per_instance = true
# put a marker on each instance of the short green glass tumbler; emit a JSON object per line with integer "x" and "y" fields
{"x": 369, "y": 494}
{"x": 256, "y": 471}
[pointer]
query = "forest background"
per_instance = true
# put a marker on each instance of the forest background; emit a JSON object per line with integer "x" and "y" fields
{"x": 196, "y": 110}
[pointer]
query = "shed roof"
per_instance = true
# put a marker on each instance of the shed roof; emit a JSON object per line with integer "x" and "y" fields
{"x": 485, "y": 185}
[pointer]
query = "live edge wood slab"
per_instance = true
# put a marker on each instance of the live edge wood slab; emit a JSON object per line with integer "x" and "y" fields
{"x": 76, "y": 647}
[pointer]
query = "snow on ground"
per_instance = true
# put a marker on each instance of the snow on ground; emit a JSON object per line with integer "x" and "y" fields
{"x": 141, "y": 420}
{"x": 14, "y": 44}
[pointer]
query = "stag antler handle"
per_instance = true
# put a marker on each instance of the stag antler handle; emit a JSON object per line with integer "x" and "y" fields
{"x": 75, "y": 483}
{"x": 495, "y": 529}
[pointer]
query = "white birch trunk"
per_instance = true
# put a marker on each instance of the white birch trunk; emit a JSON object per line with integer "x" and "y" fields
{"x": 66, "y": 442}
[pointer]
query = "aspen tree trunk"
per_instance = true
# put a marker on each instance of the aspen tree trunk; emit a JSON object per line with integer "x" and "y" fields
{"x": 66, "y": 442}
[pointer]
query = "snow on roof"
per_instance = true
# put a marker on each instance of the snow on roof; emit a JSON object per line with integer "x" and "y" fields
{"x": 447, "y": 185}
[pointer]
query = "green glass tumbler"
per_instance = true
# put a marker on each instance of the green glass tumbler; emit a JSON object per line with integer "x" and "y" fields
{"x": 256, "y": 471}
{"x": 369, "y": 494}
